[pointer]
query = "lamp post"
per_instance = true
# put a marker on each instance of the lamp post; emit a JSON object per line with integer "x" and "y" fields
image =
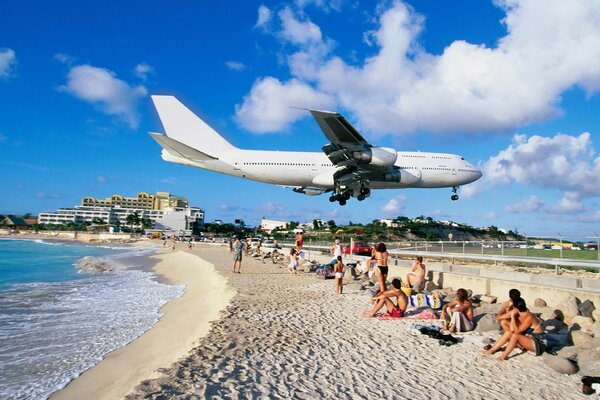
{"x": 561, "y": 246}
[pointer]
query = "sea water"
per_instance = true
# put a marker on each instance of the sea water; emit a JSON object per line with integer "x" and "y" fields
{"x": 64, "y": 306}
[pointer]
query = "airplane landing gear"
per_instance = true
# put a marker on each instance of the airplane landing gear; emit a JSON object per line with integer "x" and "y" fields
{"x": 454, "y": 197}
{"x": 364, "y": 193}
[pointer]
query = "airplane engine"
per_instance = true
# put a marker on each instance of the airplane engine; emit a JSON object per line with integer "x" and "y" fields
{"x": 309, "y": 191}
{"x": 378, "y": 156}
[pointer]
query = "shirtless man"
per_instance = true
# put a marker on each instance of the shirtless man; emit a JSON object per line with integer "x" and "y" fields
{"x": 384, "y": 299}
{"x": 458, "y": 313}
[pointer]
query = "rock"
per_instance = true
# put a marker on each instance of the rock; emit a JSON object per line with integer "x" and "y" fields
{"x": 486, "y": 323}
{"x": 584, "y": 323}
{"x": 307, "y": 268}
{"x": 589, "y": 362}
{"x": 569, "y": 308}
{"x": 587, "y": 309}
{"x": 569, "y": 352}
{"x": 450, "y": 297}
{"x": 553, "y": 325}
{"x": 430, "y": 286}
{"x": 596, "y": 315}
{"x": 469, "y": 293}
{"x": 539, "y": 303}
{"x": 559, "y": 364}
{"x": 581, "y": 339}
{"x": 488, "y": 299}
{"x": 595, "y": 328}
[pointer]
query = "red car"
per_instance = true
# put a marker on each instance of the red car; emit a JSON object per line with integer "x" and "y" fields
{"x": 361, "y": 249}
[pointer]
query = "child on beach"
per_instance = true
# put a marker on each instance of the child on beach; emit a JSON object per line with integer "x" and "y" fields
{"x": 458, "y": 313}
{"x": 339, "y": 270}
{"x": 293, "y": 265}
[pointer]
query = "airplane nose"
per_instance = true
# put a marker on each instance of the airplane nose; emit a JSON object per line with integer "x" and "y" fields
{"x": 479, "y": 174}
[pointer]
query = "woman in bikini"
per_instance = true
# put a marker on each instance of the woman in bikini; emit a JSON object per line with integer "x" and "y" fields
{"x": 381, "y": 258}
{"x": 526, "y": 331}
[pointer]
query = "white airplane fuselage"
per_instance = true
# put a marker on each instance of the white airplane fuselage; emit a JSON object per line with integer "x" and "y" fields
{"x": 312, "y": 169}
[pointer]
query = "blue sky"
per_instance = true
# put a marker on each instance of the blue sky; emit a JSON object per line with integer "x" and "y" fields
{"x": 511, "y": 85}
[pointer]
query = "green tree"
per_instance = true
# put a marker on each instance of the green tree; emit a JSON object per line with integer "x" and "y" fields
{"x": 331, "y": 224}
{"x": 133, "y": 219}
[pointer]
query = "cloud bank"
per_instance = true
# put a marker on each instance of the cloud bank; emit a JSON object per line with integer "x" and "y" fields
{"x": 550, "y": 46}
{"x": 8, "y": 61}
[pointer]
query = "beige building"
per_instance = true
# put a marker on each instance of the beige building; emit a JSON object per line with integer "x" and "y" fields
{"x": 143, "y": 201}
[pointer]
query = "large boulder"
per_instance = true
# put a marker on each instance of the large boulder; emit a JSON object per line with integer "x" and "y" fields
{"x": 584, "y": 323}
{"x": 589, "y": 362}
{"x": 550, "y": 313}
{"x": 596, "y": 315}
{"x": 581, "y": 339}
{"x": 559, "y": 364}
{"x": 486, "y": 323}
{"x": 553, "y": 325}
{"x": 569, "y": 352}
{"x": 569, "y": 308}
{"x": 595, "y": 328}
{"x": 539, "y": 302}
{"x": 450, "y": 297}
{"x": 587, "y": 309}
{"x": 430, "y": 286}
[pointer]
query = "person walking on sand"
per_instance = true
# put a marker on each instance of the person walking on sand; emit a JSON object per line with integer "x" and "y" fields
{"x": 338, "y": 270}
{"x": 299, "y": 241}
{"x": 526, "y": 331}
{"x": 381, "y": 258}
{"x": 458, "y": 314}
{"x": 238, "y": 250}
{"x": 384, "y": 299}
{"x": 336, "y": 249}
{"x": 293, "y": 265}
{"x": 415, "y": 279}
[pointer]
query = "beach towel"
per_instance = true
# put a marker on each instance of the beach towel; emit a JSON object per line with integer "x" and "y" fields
{"x": 425, "y": 300}
{"x": 423, "y": 315}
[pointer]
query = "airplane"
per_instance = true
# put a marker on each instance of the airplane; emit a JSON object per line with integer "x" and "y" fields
{"x": 348, "y": 166}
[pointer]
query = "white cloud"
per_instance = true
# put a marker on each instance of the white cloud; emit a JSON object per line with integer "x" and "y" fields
{"x": 562, "y": 162}
{"x": 267, "y": 107}
{"x": 228, "y": 207}
{"x": 532, "y": 204}
{"x": 64, "y": 58}
{"x": 570, "y": 203}
{"x": 264, "y": 17}
{"x": 8, "y": 61}
{"x": 323, "y": 5}
{"x": 396, "y": 206}
{"x": 109, "y": 94}
{"x": 102, "y": 180}
{"x": 550, "y": 46}
{"x": 47, "y": 196}
{"x": 235, "y": 65}
{"x": 142, "y": 70}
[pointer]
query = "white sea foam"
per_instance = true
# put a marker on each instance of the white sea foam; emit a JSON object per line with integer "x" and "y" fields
{"x": 51, "y": 332}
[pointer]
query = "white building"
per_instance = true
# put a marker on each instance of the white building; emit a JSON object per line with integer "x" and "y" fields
{"x": 179, "y": 220}
{"x": 267, "y": 225}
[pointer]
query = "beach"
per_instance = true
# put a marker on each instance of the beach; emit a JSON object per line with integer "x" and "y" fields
{"x": 185, "y": 320}
{"x": 291, "y": 336}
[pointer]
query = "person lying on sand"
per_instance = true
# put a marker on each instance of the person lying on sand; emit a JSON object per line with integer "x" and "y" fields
{"x": 526, "y": 330}
{"x": 458, "y": 313}
{"x": 384, "y": 299}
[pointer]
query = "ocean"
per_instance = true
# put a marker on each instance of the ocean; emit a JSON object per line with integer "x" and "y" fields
{"x": 64, "y": 306}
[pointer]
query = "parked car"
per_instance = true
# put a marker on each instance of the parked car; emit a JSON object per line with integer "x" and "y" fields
{"x": 360, "y": 248}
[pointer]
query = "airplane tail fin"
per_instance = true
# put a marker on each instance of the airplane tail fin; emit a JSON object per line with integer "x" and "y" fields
{"x": 186, "y": 128}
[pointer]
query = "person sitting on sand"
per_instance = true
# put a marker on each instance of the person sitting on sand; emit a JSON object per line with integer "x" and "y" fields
{"x": 415, "y": 279}
{"x": 384, "y": 299}
{"x": 504, "y": 314}
{"x": 293, "y": 265}
{"x": 339, "y": 270}
{"x": 458, "y": 313}
{"x": 525, "y": 330}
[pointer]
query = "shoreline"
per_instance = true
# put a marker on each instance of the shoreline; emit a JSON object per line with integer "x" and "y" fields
{"x": 184, "y": 321}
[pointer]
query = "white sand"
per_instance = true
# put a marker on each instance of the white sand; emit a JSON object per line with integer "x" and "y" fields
{"x": 185, "y": 320}
{"x": 287, "y": 336}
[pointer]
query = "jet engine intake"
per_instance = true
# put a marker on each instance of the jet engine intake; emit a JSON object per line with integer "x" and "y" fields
{"x": 377, "y": 156}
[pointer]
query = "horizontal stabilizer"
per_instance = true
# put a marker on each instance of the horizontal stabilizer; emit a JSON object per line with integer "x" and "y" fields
{"x": 178, "y": 149}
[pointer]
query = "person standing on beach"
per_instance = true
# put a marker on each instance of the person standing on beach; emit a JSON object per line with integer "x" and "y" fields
{"x": 336, "y": 249}
{"x": 238, "y": 249}
{"x": 339, "y": 270}
{"x": 293, "y": 265}
{"x": 299, "y": 241}
{"x": 381, "y": 258}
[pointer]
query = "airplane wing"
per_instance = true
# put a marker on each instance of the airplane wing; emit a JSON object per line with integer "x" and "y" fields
{"x": 338, "y": 130}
